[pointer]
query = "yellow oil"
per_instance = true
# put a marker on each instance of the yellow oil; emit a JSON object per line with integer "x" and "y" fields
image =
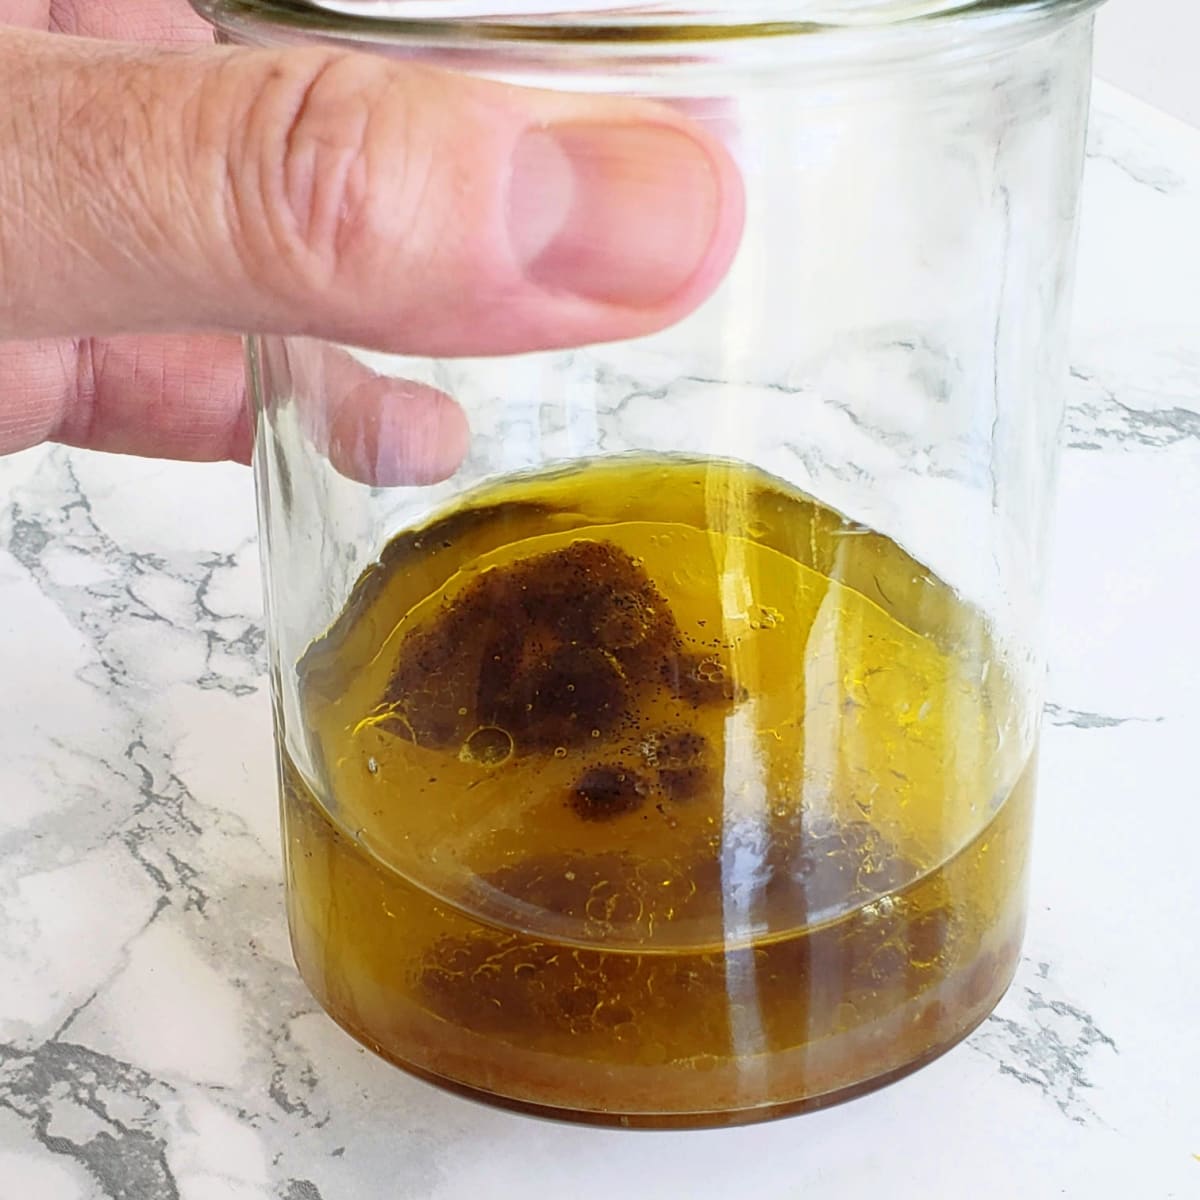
{"x": 653, "y": 791}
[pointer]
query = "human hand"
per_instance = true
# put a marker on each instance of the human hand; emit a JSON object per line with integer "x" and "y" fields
{"x": 159, "y": 194}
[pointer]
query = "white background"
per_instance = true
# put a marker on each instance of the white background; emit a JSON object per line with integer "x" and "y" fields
{"x": 1152, "y": 49}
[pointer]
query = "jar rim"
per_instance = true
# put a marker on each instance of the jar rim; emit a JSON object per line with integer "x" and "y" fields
{"x": 606, "y": 21}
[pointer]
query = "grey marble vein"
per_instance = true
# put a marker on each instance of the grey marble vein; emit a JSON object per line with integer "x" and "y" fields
{"x": 96, "y": 1110}
{"x": 301, "y": 1189}
{"x": 1123, "y": 144}
{"x": 1058, "y": 715}
{"x": 1100, "y": 417}
{"x": 1046, "y": 1043}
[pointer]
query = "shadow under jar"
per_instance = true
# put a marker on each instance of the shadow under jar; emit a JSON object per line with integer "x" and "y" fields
{"x": 673, "y": 763}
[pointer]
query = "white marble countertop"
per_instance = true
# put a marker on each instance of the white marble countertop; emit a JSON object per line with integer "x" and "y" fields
{"x": 156, "y": 1043}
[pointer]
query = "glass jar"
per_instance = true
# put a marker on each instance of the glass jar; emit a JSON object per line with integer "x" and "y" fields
{"x": 672, "y": 763}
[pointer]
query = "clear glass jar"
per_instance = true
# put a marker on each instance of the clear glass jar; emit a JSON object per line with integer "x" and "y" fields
{"x": 672, "y": 763}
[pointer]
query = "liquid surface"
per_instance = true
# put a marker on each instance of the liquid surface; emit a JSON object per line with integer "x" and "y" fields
{"x": 653, "y": 787}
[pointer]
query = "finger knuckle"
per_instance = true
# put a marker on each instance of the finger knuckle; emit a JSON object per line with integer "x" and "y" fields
{"x": 308, "y": 169}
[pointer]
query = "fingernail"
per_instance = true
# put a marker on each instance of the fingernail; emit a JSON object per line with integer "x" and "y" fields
{"x": 624, "y": 214}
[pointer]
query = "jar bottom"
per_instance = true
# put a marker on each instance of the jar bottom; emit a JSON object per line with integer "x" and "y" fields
{"x": 832, "y": 1013}
{"x": 721, "y": 1119}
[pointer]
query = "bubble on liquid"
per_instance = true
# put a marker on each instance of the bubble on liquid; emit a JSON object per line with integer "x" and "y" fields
{"x": 488, "y": 746}
{"x": 699, "y": 679}
{"x": 560, "y": 752}
{"x": 765, "y": 617}
{"x": 674, "y": 748}
{"x": 680, "y": 757}
{"x": 372, "y": 765}
{"x": 610, "y": 904}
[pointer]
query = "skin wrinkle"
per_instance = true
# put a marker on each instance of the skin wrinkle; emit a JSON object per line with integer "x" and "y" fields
{"x": 20, "y": 209}
{"x": 420, "y": 198}
{"x": 148, "y": 20}
{"x": 368, "y": 179}
{"x": 81, "y": 156}
{"x": 28, "y": 378}
{"x": 61, "y": 16}
{"x": 113, "y": 376}
{"x": 13, "y": 202}
{"x": 187, "y": 228}
{"x": 148, "y": 191}
{"x": 323, "y": 177}
{"x": 84, "y": 151}
{"x": 214, "y": 154}
{"x": 333, "y": 194}
{"x": 416, "y": 189}
{"x": 299, "y": 170}
{"x": 266, "y": 167}
{"x": 82, "y": 413}
{"x": 153, "y": 196}
{"x": 266, "y": 133}
{"x": 100, "y": 176}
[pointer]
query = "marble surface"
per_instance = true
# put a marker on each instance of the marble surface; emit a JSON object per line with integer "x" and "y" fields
{"x": 155, "y": 1041}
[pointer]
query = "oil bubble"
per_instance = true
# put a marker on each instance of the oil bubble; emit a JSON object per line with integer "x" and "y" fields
{"x": 489, "y": 746}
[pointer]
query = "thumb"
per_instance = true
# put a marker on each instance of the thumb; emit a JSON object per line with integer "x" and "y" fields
{"x": 345, "y": 196}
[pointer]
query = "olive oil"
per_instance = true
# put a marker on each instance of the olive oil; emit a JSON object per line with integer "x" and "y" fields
{"x": 652, "y": 791}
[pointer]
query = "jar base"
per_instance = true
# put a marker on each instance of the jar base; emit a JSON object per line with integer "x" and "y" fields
{"x": 689, "y": 1120}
